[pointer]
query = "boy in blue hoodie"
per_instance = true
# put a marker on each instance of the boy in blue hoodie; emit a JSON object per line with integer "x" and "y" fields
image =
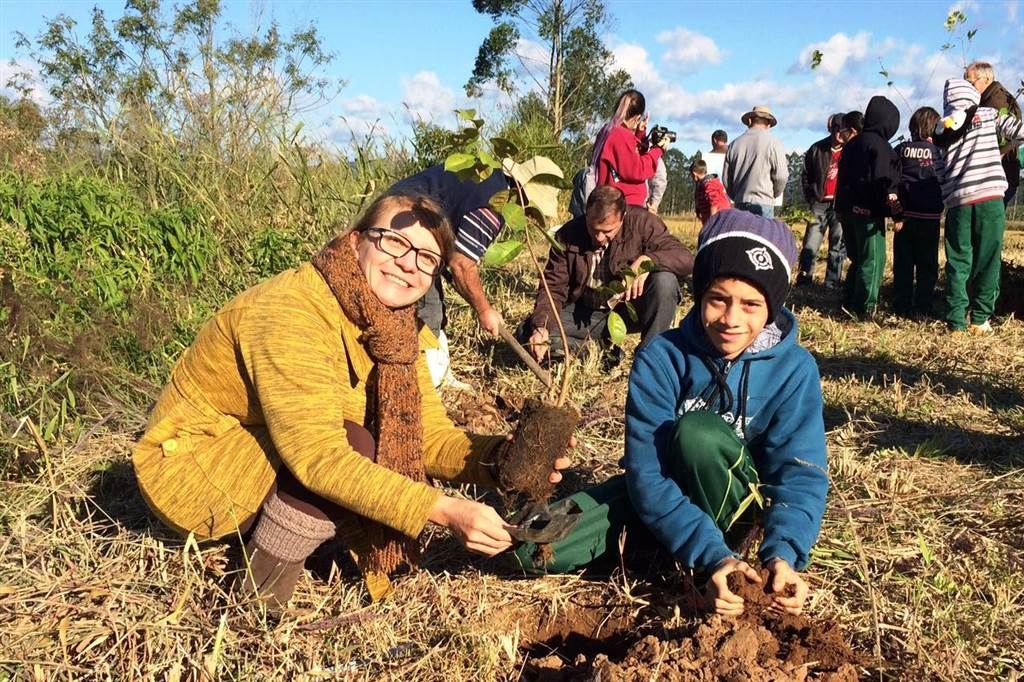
{"x": 725, "y": 405}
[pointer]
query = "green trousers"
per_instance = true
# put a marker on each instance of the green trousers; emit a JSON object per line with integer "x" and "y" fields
{"x": 974, "y": 247}
{"x": 865, "y": 247}
{"x": 708, "y": 461}
{"x": 915, "y": 265}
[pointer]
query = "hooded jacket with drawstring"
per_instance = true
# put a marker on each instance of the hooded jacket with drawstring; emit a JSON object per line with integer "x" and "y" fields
{"x": 869, "y": 169}
{"x": 771, "y": 395}
{"x": 974, "y": 171}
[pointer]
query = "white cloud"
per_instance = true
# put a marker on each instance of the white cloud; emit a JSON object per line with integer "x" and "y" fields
{"x": 362, "y": 106}
{"x": 837, "y": 53}
{"x": 687, "y": 50}
{"x": 425, "y": 97}
{"x": 634, "y": 59}
{"x": 25, "y": 73}
{"x": 1012, "y": 11}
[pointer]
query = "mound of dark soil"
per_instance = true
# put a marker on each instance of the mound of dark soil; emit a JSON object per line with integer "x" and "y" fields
{"x": 759, "y": 646}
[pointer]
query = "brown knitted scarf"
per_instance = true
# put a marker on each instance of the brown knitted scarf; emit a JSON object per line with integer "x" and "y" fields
{"x": 390, "y": 339}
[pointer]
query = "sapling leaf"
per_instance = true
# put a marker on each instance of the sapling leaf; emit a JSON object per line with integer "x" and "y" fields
{"x": 466, "y": 138}
{"x": 647, "y": 266}
{"x": 489, "y": 161}
{"x": 616, "y": 328}
{"x": 816, "y": 59}
{"x": 613, "y": 287}
{"x": 466, "y": 114}
{"x": 459, "y": 162}
{"x": 514, "y": 215}
{"x": 499, "y": 253}
{"x": 503, "y": 147}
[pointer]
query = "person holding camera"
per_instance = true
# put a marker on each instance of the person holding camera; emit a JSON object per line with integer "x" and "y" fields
{"x": 626, "y": 156}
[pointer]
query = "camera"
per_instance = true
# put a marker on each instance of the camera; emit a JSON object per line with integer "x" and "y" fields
{"x": 656, "y": 134}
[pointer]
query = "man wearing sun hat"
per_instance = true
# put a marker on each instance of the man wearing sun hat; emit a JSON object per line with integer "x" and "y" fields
{"x": 755, "y": 169}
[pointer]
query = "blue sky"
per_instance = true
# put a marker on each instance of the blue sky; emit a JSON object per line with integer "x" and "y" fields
{"x": 701, "y": 65}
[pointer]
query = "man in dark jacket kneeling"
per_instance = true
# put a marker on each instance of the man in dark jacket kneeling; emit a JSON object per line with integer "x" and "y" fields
{"x": 610, "y": 243}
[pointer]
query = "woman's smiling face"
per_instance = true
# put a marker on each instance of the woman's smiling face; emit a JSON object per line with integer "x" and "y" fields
{"x": 398, "y": 281}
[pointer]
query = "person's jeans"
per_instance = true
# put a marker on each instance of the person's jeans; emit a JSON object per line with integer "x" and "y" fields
{"x": 825, "y": 219}
{"x": 765, "y": 210}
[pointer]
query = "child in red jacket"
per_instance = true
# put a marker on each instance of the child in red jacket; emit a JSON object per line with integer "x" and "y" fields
{"x": 709, "y": 195}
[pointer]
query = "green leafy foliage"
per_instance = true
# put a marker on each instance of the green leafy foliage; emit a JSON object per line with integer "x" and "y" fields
{"x": 816, "y": 57}
{"x": 94, "y": 241}
{"x": 500, "y": 253}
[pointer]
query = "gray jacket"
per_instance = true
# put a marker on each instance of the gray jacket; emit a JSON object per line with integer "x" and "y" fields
{"x": 755, "y": 169}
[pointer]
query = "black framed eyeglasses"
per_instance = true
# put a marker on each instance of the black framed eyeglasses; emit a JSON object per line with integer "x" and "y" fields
{"x": 395, "y": 245}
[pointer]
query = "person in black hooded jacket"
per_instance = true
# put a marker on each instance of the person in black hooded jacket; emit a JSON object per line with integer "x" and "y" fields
{"x": 869, "y": 174}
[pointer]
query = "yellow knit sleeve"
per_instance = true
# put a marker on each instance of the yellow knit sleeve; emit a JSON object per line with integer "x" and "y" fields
{"x": 295, "y": 361}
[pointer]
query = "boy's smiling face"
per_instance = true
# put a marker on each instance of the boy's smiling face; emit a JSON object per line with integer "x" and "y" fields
{"x": 733, "y": 313}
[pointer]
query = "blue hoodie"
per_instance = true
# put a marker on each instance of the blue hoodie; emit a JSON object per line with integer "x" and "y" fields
{"x": 783, "y": 428}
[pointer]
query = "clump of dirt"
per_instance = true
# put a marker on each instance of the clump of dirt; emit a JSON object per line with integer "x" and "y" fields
{"x": 759, "y": 646}
{"x": 541, "y": 436}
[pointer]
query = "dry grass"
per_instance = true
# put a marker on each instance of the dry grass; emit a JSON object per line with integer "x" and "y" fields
{"x": 921, "y": 556}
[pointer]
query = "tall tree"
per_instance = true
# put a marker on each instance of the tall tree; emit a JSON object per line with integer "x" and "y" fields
{"x": 179, "y": 70}
{"x": 576, "y": 83}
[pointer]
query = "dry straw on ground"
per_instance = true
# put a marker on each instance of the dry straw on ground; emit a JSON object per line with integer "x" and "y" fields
{"x": 921, "y": 557}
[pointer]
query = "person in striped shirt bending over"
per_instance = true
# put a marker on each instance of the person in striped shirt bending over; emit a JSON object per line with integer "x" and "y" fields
{"x": 973, "y": 192}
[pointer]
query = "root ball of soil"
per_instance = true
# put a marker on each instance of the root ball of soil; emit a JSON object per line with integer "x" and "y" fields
{"x": 541, "y": 437}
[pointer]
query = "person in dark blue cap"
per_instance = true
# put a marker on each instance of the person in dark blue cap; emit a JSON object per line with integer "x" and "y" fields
{"x": 724, "y": 430}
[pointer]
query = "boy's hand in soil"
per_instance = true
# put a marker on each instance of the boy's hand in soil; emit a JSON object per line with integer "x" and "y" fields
{"x": 477, "y": 526}
{"x": 787, "y": 587}
{"x": 720, "y": 597}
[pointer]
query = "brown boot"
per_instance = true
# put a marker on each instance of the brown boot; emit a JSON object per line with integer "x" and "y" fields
{"x": 269, "y": 577}
{"x": 282, "y": 540}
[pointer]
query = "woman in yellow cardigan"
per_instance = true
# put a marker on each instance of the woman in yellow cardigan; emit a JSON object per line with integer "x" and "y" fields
{"x": 304, "y": 410}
